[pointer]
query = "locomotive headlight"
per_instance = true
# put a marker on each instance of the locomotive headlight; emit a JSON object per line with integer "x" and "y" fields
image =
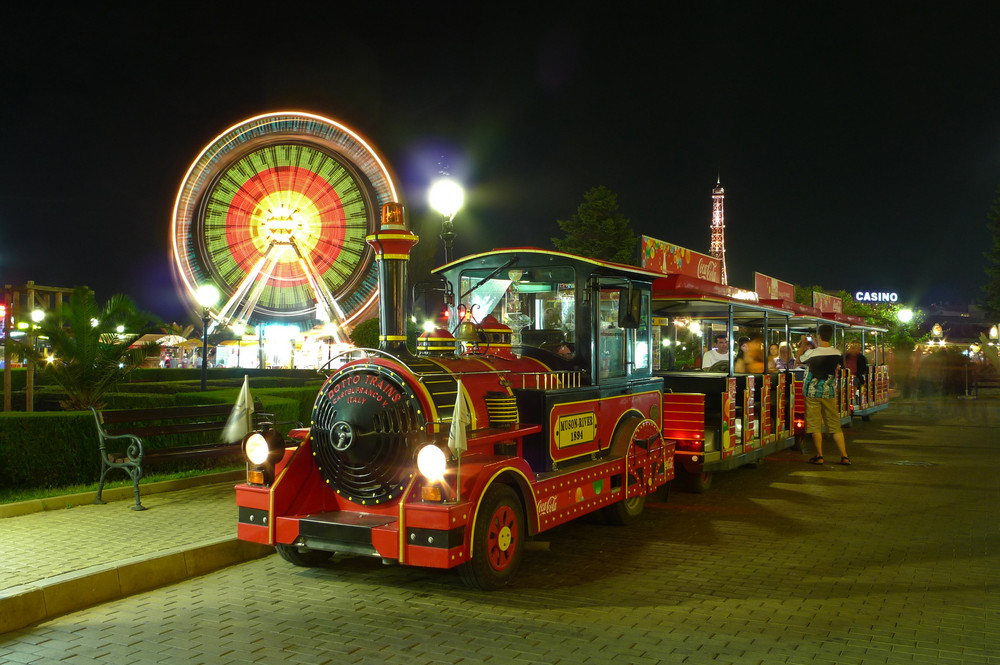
{"x": 256, "y": 448}
{"x": 431, "y": 463}
{"x": 263, "y": 451}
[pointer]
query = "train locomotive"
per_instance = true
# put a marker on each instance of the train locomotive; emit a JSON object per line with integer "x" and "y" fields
{"x": 541, "y": 407}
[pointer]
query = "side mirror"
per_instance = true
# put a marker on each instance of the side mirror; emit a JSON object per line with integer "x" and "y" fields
{"x": 629, "y": 308}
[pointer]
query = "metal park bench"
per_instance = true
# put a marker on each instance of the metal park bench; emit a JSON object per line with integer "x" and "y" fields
{"x": 123, "y": 432}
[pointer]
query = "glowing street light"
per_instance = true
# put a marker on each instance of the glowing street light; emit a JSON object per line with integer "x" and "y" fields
{"x": 905, "y": 315}
{"x": 207, "y": 296}
{"x": 446, "y": 196}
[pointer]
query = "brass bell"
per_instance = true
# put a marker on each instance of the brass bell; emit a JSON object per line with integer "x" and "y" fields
{"x": 466, "y": 332}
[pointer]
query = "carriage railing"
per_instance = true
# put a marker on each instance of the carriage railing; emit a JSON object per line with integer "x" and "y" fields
{"x": 546, "y": 380}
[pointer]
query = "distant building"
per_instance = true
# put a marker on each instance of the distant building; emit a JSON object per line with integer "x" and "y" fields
{"x": 956, "y": 325}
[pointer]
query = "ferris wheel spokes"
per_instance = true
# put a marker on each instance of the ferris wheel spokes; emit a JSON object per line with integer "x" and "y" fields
{"x": 324, "y": 297}
{"x": 252, "y": 285}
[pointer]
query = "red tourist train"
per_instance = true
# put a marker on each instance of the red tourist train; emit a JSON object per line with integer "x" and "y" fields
{"x": 570, "y": 386}
{"x": 564, "y": 419}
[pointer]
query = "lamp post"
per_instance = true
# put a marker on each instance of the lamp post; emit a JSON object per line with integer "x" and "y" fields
{"x": 238, "y": 329}
{"x": 446, "y": 196}
{"x": 207, "y": 296}
{"x": 37, "y": 316}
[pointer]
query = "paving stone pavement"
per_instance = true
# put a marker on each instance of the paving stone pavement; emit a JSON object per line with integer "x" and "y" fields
{"x": 46, "y": 544}
{"x": 893, "y": 560}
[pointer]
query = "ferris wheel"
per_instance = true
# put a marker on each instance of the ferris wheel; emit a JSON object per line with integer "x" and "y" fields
{"x": 274, "y": 213}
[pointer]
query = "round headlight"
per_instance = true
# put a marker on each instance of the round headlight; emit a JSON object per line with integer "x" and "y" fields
{"x": 257, "y": 449}
{"x": 431, "y": 462}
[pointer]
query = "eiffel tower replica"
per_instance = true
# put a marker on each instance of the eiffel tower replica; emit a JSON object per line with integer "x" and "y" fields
{"x": 719, "y": 227}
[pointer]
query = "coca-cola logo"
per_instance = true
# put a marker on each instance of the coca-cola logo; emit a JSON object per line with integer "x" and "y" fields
{"x": 547, "y": 506}
{"x": 708, "y": 270}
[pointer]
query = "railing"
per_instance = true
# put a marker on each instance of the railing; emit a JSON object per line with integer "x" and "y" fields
{"x": 546, "y": 380}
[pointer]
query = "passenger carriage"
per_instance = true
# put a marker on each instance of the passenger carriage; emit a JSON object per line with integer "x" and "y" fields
{"x": 721, "y": 418}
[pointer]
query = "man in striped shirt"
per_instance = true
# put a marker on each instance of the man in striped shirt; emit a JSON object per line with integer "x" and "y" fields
{"x": 821, "y": 391}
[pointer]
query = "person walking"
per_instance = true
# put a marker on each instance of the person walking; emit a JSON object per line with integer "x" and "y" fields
{"x": 821, "y": 391}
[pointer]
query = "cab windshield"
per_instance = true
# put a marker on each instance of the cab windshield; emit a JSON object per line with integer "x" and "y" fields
{"x": 539, "y": 305}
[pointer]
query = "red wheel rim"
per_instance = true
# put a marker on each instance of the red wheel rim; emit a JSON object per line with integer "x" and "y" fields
{"x": 502, "y": 538}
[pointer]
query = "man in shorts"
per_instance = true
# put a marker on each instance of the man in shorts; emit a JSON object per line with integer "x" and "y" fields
{"x": 821, "y": 391}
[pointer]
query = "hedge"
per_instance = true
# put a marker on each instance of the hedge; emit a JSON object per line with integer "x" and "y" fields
{"x": 57, "y": 448}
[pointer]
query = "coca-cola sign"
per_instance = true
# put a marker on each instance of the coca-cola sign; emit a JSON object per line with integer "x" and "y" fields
{"x": 708, "y": 270}
{"x": 671, "y": 259}
{"x": 547, "y": 506}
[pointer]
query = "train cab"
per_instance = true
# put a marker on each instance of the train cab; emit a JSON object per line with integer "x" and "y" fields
{"x": 587, "y": 326}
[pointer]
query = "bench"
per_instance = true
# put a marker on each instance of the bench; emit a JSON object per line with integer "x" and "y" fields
{"x": 125, "y": 431}
{"x": 985, "y": 381}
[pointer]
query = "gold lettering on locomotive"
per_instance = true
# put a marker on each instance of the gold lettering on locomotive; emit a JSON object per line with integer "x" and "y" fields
{"x": 372, "y": 388}
{"x": 575, "y": 429}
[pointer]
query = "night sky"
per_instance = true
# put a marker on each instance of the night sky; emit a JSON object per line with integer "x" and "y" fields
{"x": 859, "y": 147}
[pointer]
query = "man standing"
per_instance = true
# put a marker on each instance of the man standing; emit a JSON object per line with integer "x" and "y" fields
{"x": 821, "y": 391}
{"x": 717, "y": 353}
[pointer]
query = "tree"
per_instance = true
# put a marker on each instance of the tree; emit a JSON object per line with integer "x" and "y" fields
{"x": 366, "y": 334}
{"x": 598, "y": 230}
{"x": 991, "y": 290}
{"x": 89, "y": 356}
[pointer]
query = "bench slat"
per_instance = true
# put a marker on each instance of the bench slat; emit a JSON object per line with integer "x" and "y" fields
{"x": 165, "y": 413}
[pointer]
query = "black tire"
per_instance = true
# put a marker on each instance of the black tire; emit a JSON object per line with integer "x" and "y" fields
{"x": 797, "y": 446}
{"x": 307, "y": 559}
{"x": 625, "y": 512}
{"x": 497, "y": 541}
{"x": 695, "y": 482}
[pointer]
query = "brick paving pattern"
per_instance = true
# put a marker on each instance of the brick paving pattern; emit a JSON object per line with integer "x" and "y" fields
{"x": 894, "y": 560}
{"x": 41, "y": 545}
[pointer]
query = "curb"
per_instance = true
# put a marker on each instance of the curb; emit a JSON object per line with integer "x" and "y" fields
{"x": 115, "y": 493}
{"x": 30, "y": 603}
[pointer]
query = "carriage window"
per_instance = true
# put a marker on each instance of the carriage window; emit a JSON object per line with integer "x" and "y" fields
{"x": 677, "y": 343}
{"x": 611, "y": 338}
{"x": 642, "y": 351}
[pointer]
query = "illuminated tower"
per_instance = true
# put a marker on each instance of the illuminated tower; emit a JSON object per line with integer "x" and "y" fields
{"x": 719, "y": 227}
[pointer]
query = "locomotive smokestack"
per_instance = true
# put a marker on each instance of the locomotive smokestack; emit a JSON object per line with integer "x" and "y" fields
{"x": 392, "y": 243}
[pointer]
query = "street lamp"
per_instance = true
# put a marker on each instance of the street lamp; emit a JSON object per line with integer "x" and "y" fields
{"x": 446, "y": 196}
{"x": 238, "y": 328}
{"x": 37, "y": 316}
{"x": 207, "y": 296}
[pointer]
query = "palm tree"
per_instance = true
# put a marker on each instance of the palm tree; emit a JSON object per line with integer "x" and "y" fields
{"x": 89, "y": 354}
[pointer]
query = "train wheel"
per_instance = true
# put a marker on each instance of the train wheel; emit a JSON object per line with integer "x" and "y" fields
{"x": 307, "y": 558}
{"x": 498, "y": 540}
{"x": 625, "y": 512}
{"x": 697, "y": 482}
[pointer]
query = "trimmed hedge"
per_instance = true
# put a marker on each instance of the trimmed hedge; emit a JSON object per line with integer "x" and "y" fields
{"x": 57, "y": 448}
{"x": 48, "y": 449}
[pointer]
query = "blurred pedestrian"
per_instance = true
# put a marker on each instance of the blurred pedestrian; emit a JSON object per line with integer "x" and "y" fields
{"x": 821, "y": 391}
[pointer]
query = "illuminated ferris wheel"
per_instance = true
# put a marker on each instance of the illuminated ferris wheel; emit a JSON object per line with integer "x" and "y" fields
{"x": 274, "y": 212}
